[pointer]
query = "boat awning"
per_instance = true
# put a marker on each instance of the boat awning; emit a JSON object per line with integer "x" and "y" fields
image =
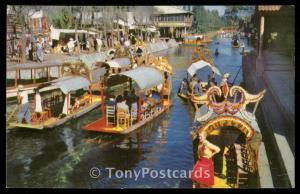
{"x": 145, "y": 77}
{"x": 91, "y": 59}
{"x": 119, "y": 63}
{"x": 55, "y": 33}
{"x": 69, "y": 83}
{"x": 199, "y": 65}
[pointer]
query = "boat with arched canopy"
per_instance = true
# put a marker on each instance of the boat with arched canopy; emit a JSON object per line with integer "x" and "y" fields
{"x": 233, "y": 127}
{"x": 144, "y": 79}
{"x": 201, "y": 59}
{"x": 62, "y": 99}
{"x": 197, "y": 40}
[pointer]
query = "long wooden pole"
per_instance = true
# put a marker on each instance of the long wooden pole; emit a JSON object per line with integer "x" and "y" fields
{"x": 68, "y": 99}
{"x": 140, "y": 108}
{"x": 162, "y": 96}
{"x": 236, "y": 75}
{"x": 255, "y": 107}
{"x": 91, "y": 96}
{"x": 102, "y": 103}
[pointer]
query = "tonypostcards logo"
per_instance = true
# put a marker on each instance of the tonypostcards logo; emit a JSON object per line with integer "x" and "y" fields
{"x": 146, "y": 172}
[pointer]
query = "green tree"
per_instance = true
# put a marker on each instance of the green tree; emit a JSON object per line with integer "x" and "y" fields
{"x": 63, "y": 18}
{"x": 206, "y": 20}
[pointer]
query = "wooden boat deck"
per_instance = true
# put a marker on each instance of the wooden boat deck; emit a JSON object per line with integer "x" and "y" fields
{"x": 183, "y": 96}
{"x": 53, "y": 121}
{"x": 100, "y": 126}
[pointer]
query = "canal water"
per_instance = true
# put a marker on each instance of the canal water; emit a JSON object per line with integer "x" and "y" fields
{"x": 67, "y": 156}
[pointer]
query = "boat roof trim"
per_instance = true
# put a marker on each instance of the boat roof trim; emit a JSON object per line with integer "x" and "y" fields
{"x": 119, "y": 63}
{"x": 194, "y": 67}
{"x": 69, "y": 83}
{"x": 145, "y": 77}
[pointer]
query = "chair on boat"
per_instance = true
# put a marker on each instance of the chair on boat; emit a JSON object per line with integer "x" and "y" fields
{"x": 110, "y": 115}
{"x": 38, "y": 117}
{"x": 123, "y": 118}
{"x": 40, "y": 114}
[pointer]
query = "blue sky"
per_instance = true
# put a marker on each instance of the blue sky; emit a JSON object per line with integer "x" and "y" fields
{"x": 221, "y": 9}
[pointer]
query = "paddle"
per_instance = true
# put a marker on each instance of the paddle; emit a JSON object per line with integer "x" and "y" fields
{"x": 236, "y": 75}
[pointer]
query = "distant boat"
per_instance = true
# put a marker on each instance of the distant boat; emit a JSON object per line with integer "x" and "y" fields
{"x": 216, "y": 52}
{"x": 235, "y": 44}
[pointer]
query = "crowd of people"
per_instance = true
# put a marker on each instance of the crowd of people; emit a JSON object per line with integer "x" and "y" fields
{"x": 129, "y": 103}
{"x": 36, "y": 48}
{"x": 197, "y": 87}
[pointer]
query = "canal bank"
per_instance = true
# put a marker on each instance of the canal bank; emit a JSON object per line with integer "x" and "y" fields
{"x": 278, "y": 134}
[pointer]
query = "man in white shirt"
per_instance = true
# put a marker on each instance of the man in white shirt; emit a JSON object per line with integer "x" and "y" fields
{"x": 38, "y": 102}
{"x": 22, "y": 98}
{"x": 71, "y": 45}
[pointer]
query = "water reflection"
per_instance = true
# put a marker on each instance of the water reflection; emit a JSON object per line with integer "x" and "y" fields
{"x": 67, "y": 137}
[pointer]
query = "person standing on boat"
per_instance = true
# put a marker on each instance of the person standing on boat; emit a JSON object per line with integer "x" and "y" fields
{"x": 224, "y": 86}
{"x": 183, "y": 86}
{"x": 22, "y": 98}
{"x": 224, "y": 79}
{"x": 38, "y": 102}
{"x": 193, "y": 82}
{"x": 203, "y": 171}
{"x": 216, "y": 52}
{"x": 197, "y": 88}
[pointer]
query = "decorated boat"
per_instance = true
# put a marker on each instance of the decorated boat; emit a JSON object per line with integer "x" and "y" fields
{"x": 235, "y": 43}
{"x": 31, "y": 75}
{"x": 70, "y": 97}
{"x": 197, "y": 40}
{"x": 231, "y": 125}
{"x": 147, "y": 79}
{"x": 201, "y": 58}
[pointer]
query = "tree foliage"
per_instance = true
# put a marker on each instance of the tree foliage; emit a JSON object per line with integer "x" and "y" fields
{"x": 206, "y": 20}
{"x": 62, "y": 18}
